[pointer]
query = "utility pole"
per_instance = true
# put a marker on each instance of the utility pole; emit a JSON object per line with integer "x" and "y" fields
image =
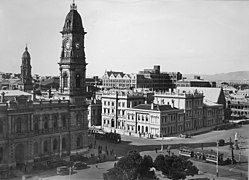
{"x": 231, "y": 145}
{"x": 217, "y": 159}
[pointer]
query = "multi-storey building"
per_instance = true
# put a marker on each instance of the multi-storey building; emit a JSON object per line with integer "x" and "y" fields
{"x": 114, "y": 105}
{"x": 148, "y": 78}
{"x": 120, "y": 80}
{"x": 238, "y": 104}
{"x": 157, "y": 80}
{"x": 40, "y": 131}
{"x": 202, "y": 107}
{"x": 196, "y": 82}
{"x": 94, "y": 112}
{"x": 192, "y": 103}
{"x": 154, "y": 120}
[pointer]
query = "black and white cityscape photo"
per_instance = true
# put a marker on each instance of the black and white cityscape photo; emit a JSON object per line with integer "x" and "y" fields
{"x": 124, "y": 89}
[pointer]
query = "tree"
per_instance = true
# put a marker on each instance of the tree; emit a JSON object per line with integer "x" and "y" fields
{"x": 175, "y": 167}
{"x": 131, "y": 167}
{"x": 159, "y": 162}
{"x": 144, "y": 168}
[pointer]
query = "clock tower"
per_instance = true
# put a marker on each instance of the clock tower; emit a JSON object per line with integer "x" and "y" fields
{"x": 73, "y": 60}
{"x": 72, "y": 79}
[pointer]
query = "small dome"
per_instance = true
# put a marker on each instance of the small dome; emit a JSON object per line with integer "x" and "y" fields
{"x": 26, "y": 54}
{"x": 73, "y": 22}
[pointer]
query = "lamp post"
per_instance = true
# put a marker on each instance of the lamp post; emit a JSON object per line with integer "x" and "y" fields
{"x": 217, "y": 159}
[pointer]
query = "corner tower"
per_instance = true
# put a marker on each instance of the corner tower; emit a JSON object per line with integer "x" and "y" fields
{"x": 26, "y": 78}
{"x": 73, "y": 60}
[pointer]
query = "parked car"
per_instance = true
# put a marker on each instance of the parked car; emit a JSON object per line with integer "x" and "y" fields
{"x": 79, "y": 165}
{"x": 63, "y": 170}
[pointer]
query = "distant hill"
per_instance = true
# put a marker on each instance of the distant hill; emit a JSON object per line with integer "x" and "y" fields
{"x": 228, "y": 77}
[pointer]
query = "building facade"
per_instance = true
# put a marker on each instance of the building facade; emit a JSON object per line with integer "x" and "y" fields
{"x": 196, "y": 82}
{"x": 114, "y": 105}
{"x": 94, "y": 112}
{"x": 152, "y": 79}
{"x": 39, "y": 131}
{"x": 200, "y": 111}
{"x": 153, "y": 120}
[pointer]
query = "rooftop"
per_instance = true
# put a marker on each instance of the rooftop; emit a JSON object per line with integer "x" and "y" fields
{"x": 155, "y": 107}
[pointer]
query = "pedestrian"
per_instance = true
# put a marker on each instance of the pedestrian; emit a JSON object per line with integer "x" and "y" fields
{"x": 115, "y": 164}
{"x": 156, "y": 150}
{"x": 96, "y": 165}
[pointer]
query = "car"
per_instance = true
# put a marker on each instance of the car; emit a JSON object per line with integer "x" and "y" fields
{"x": 79, "y": 165}
{"x": 63, "y": 170}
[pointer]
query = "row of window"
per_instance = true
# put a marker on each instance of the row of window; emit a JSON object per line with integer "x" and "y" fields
{"x": 122, "y": 104}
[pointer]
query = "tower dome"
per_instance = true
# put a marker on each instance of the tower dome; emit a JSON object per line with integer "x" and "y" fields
{"x": 73, "y": 22}
{"x": 26, "y": 54}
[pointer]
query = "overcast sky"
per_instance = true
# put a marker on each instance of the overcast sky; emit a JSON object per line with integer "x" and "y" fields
{"x": 189, "y": 36}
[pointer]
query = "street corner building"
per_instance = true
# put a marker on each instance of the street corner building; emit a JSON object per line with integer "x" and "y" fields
{"x": 36, "y": 131}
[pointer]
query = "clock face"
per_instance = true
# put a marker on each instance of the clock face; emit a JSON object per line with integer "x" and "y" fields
{"x": 68, "y": 44}
{"x": 77, "y": 45}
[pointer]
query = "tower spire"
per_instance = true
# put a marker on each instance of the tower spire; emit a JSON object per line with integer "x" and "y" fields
{"x": 73, "y": 6}
{"x": 26, "y": 48}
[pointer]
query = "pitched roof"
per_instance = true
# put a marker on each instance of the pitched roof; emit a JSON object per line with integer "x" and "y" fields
{"x": 210, "y": 94}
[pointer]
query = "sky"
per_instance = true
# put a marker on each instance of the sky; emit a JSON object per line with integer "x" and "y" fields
{"x": 187, "y": 36}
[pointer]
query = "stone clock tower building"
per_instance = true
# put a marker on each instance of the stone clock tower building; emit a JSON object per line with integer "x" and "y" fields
{"x": 35, "y": 133}
{"x": 72, "y": 73}
{"x": 73, "y": 60}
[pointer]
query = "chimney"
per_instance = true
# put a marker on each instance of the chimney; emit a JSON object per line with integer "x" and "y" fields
{"x": 2, "y": 100}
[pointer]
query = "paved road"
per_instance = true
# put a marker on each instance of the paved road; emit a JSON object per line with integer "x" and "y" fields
{"x": 148, "y": 145}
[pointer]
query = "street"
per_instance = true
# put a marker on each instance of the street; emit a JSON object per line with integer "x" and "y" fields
{"x": 147, "y": 146}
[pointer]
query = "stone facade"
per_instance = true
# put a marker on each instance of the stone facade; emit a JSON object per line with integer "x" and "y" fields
{"x": 150, "y": 120}
{"x": 40, "y": 131}
{"x": 152, "y": 79}
{"x": 114, "y": 105}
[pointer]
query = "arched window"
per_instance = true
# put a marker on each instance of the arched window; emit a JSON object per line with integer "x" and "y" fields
{"x": 77, "y": 80}
{"x": 54, "y": 144}
{"x": 19, "y": 125}
{"x": 63, "y": 143}
{"x": 65, "y": 80}
{"x": 35, "y": 148}
{"x": 79, "y": 141}
{"x": 45, "y": 146}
